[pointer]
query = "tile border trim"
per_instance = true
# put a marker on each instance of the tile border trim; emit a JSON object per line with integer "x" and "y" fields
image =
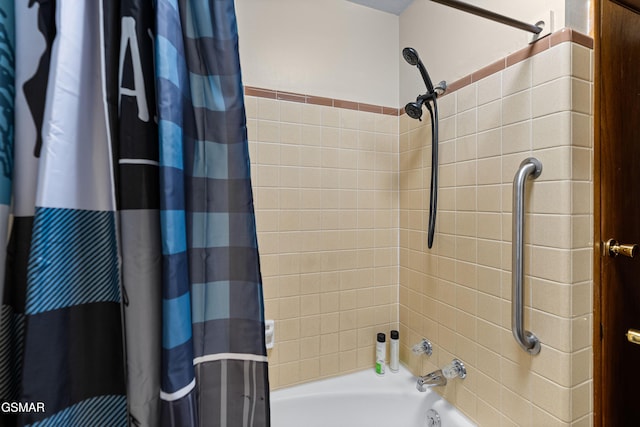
{"x": 561, "y": 36}
{"x": 318, "y": 100}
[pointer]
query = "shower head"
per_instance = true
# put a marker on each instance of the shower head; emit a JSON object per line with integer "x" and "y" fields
{"x": 414, "y": 110}
{"x": 411, "y": 56}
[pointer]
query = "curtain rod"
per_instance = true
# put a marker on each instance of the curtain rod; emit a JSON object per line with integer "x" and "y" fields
{"x": 475, "y": 10}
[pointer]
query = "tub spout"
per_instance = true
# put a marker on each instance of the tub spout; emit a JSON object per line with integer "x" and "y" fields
{"x": 433, "y": 379}
{"x": 455, "y": 369}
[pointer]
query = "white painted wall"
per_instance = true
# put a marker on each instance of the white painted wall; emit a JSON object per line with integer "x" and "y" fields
{"x": 453, "y": 44}
{"x": 330, "y": 48}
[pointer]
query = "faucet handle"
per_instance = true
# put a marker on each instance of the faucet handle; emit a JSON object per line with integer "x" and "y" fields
{"x": 423, "y": 347}
{"x": 455, "y": 369}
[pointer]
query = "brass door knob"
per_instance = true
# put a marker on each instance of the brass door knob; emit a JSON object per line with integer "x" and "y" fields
{"x": 633, "y": 336}
{"x": 613, "y": 249}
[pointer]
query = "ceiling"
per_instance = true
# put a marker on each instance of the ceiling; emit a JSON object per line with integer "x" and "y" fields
{"x": 391, "y": 6}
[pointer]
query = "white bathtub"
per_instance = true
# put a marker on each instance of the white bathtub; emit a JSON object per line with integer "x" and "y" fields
{"x": 361, "y": 399}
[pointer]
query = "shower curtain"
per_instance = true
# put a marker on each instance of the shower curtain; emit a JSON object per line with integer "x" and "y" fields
{"x": 7, "y": 95}
{"x": 73, "y": 353}
{"x": 34, "y": 32}
{"x": 133, "y": 291}
{"x": 212, "y": 292}
{"x": 131, "y": 100}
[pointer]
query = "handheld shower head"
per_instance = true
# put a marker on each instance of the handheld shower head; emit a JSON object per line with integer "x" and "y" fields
{"x": 411, "y": 56}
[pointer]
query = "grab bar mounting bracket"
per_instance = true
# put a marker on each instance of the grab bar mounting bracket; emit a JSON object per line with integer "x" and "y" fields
{"x": 547, "y": 24}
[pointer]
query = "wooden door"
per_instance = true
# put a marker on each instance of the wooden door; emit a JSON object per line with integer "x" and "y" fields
{"x": 617, "y": 212}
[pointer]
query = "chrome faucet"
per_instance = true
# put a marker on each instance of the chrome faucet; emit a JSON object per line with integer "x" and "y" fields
{"x": 438, "y": 378}
{"x": 432, "y": 379}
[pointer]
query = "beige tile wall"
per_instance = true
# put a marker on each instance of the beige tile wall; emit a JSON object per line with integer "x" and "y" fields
{"x": 458, "y": 293}
{"x": 326, "y": 197}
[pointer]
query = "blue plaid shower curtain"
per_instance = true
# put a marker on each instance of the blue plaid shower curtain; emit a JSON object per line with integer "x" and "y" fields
{"x": 212, "y": 290}
{"x": 131, "y": 204}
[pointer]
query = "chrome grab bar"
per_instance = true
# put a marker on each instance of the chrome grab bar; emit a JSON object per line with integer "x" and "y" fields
{"x": 529, "y": 168}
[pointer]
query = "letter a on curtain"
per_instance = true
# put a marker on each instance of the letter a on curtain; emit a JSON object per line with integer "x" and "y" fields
{"x": 215, "y": 364}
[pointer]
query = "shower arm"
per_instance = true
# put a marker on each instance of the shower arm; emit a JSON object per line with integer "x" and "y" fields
{"x": 425, "y": 98}
{"x": 433, "y": 94}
